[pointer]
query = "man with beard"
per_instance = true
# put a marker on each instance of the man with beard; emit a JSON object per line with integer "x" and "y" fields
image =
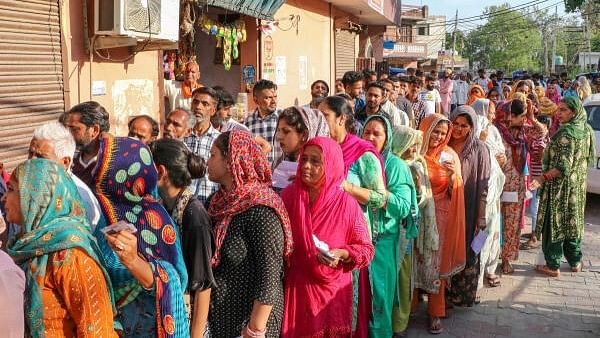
{"x": 223, "y": 120}
{"x": 396, "y": 116}
{"x": 375, "y": 97}
{"x": 431, "y": 97}
{"x": 179, "y": 124}
{"x": 263, "y": 121}
{"x": 318, "y": 90}
{"x": 353, "y": 86}
{"x": 204, "y": 107}
{"x": 179, "y": 94}
{"x": 402, "y": 87}
{"x": 87, "y": 121}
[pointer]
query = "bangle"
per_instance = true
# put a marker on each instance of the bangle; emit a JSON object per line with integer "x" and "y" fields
{"x": 546, "y": 177}
{"x": 254, "y": 333}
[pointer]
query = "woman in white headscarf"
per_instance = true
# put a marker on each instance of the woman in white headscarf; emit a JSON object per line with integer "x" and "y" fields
{"x": 489, "y": 134}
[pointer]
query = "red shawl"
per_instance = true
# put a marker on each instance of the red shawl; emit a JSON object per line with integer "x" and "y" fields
{"x": 251, "y": 186}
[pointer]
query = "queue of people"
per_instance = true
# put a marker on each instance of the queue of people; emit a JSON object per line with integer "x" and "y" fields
{"x": 331, "y": 219}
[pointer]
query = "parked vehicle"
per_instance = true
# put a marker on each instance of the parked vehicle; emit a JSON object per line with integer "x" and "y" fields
{"x": 592, "y": 106}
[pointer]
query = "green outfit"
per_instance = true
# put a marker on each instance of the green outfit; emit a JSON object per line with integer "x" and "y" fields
{"x": 394, "y": 226}
{"x": 54, "y": 220}
{"x": 562, "y": 199}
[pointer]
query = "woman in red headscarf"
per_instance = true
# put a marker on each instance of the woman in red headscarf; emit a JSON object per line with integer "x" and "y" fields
{"x": 318, "y": 283}
{"x": 475, "y": 93}
{"x": 443, "y": 165}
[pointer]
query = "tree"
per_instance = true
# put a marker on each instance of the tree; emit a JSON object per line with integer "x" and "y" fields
{"x": 509, "y": 40}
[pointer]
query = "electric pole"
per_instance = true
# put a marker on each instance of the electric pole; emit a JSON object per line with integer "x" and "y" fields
{"x": 454, "y": 38}
{"x": 554, "y": 41}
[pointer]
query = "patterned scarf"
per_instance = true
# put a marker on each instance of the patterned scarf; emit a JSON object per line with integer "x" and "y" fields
{"x": 54, "y": 220}
{"x": 514, "y": 136}
{"x": 125, "y": 181}
{"x": 251, "y": 187}
{"x": 182, "y": 201}
{"x": 577, "y": 127}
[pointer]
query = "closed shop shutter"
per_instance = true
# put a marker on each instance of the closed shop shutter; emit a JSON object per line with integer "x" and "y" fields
{"x": 345, "y": 57}
{"x": 31, "y": 73}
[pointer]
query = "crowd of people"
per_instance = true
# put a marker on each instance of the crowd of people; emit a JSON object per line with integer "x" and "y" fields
{"x": 331, "y": 219}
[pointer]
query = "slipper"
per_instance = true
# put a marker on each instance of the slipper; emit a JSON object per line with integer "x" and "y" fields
{"x": 401, "y": 334}
{"x": 507, "y": 269}
{"x": 433, "y": 328}
{"x": 577, "y": 268}
{"x": 547, "y": 271}
{"x": 494, "y": 281}
{"x": 529, "y": 246}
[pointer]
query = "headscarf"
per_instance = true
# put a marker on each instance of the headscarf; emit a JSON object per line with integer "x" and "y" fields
{"x": 53, "y": 220}
{"x": 540, "y": 92}
{"x": 470, "y": 114}
{"x": 554, "y": 97}
{"x": 584, "y": 90}
{"x": 476, "y": 92}
{"x": 482, "y": 108}
{"x": 513, "y": 89}
{"x": 517, "y": 143}
{"x": 125, "y": 181}
{"x": 332, "y": 217}
{"x": 547, "y": 107}
{"x": 453, "y": 253}
{"x": 315, "y": 122}
{"x": 577, "y": 127}
{"x": 251, "y": 187}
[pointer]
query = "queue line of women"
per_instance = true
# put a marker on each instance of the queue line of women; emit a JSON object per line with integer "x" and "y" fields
{"x": 391, "y": 207}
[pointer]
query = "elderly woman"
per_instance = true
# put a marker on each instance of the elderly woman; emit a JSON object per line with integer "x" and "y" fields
{"x": 145, "y": 264}
{"x": 331, "y": 240}
{"x": 521, "y": 134}
{"x": 407, "y": 145}
{"x": 177, "y": 166}
{"x": 444, "y": 168}
{"x": 475, "y": 164}
{"x": 68, "y": 291}
{"x": 253, "y": 236}
{"x": 562, "y": 203}
{"x": 365, "y": 181}
{"x": 395, "y": 226}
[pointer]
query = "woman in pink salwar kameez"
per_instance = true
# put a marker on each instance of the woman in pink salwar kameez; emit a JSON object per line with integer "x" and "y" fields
{"x": 318, "y": 282}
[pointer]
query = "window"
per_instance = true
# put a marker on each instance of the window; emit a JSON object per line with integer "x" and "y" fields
{"x": 423, "y": 30}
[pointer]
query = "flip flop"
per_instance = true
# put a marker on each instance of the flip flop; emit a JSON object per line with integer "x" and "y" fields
{"x": 494, "y": 281}
{"x": 577, "y": 268}
{"x": 507, "y": 269}
{"x": 529, "y": 246}
{"x": 547, "y": 271}
{"x": 434, "y": 330}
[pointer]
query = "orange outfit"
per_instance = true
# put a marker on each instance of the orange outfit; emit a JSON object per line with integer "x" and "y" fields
{"x": 76, "y": 297}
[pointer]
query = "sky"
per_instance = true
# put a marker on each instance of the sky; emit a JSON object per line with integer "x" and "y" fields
{"x": 470, "y": 8}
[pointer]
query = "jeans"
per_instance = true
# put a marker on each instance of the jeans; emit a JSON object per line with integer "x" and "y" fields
{"x": 533, "y": 209}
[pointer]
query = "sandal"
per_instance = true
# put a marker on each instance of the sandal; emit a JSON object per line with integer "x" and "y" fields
{"x": 529, "y": 245}
{"x": 577, "y": 268}
{"x": 477, "y": 300}
{"x": 401, "y": 334}
{"x": 547, "y": 271}
{"x": 435, "y": 325}
{"x": 507, "y": 269}
{"x": 494, "y": 281}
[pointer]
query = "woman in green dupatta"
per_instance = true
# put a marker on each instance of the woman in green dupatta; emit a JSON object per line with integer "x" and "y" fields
{"x": 563, "y": 194}
{"x": 406, "y": 145}
{"x": 394, "y": 227}
{"x": 68, "y": 291}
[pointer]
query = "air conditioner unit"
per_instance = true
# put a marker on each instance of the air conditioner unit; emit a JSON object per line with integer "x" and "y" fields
{"x": 143, "y": 19}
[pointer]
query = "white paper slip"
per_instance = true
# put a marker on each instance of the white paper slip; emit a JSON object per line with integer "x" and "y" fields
{"x": 283, "y": 172}
{"x": 479, "y": 241}
{"x": 322, "y": 247}
{"x": 509, "y": 197}
{"x": 445, "y": 157}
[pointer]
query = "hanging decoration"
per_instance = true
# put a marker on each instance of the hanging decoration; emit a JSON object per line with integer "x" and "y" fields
{"x": 228, "y": 35}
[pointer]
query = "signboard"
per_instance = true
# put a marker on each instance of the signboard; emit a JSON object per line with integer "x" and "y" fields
{"x": 280, "y": 70}
{"x": 248, "y": 75}
{"x": 303, "y": 72}
{"x": 268, "y": 48}
{"x": 401, "y": 49}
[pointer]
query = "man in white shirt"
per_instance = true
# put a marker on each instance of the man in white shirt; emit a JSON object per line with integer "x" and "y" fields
{"x": 179, "y": 94}
{"x": 398, "y": 117}
{"x": 461, "y": 90}
{"x": 483, "y": 80}
{"x": 54, "y": 142}
{"x": 12, "y": 289}
{"x": 431, "y": 97}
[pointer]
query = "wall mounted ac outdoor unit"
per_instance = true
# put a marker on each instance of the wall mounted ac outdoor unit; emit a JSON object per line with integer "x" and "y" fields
{"x": 131, "y": 17}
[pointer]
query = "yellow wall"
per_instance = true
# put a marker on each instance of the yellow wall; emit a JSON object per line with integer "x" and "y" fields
{"x": 313, "y": 41}
{"x": 132, "y": 87}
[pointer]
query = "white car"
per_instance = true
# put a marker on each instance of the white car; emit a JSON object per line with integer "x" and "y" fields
{"x": 592, "y": 106}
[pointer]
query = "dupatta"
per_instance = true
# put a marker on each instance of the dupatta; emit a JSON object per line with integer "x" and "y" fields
{"x": 453, "y": 255}
{"x": 516, "y": 141}
{"x": 54, "y": 220}
{"x": 124, "y": 182}
{"x": 354, "y": 147}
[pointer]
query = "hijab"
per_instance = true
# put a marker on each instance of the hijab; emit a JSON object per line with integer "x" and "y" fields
{"x": 53, "y": 220}
{"x": 577, "y": 127}
{"x": 482, "y": 109}
{"x": 471, "y": 116}
{"x": 555, "y": 97}
{"x": 125, "y": 183}
{"x": 315, "y": 122}
{"x": 251, "y": 187}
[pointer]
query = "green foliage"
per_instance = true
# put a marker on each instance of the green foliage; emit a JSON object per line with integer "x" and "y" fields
{"x": 508, "y": 41}
{"x": 573, "y": 5}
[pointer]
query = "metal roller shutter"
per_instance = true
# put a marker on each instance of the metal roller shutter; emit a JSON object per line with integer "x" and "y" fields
{"x": 31, "y": 73}
{"x": 345, "y": 57}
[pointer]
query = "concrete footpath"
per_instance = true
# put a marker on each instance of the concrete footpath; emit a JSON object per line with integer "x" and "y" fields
{"x": 529, "y": 304}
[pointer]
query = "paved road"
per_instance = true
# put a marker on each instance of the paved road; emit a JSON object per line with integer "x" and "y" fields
{"x": 531, "y": 305}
